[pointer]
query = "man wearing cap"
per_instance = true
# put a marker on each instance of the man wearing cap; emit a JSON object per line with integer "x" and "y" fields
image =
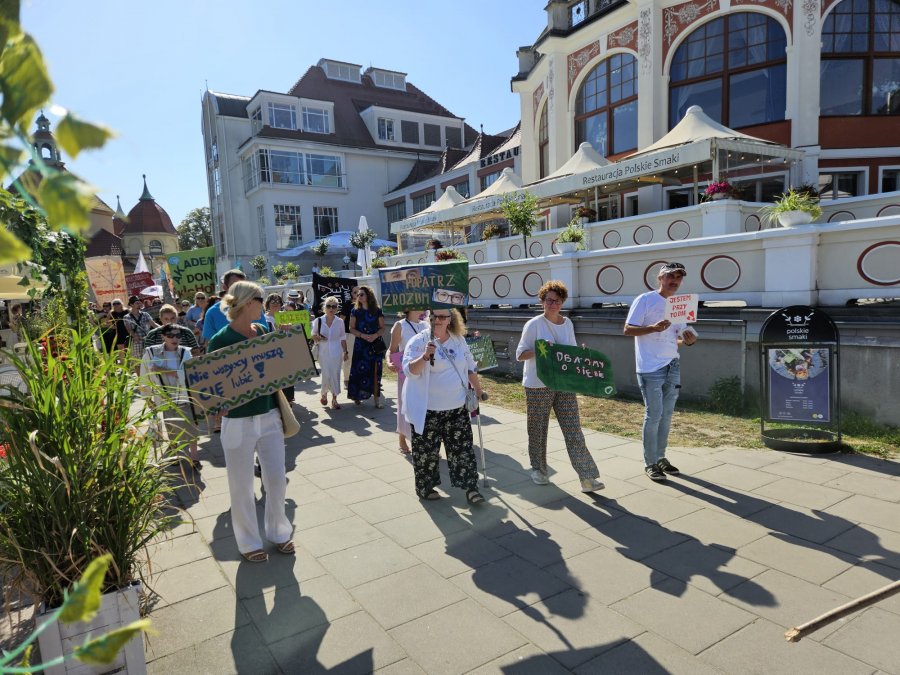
{"x": 656, "y": 342}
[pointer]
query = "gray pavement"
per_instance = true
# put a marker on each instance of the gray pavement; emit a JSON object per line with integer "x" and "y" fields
{"x": 703, "y": 574}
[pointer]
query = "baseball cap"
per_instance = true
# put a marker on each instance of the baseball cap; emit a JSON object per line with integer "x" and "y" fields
{"x": 670, "y": 267}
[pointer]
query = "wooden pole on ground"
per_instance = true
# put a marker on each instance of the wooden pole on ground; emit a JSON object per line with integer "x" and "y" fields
{"x": 794, "y": 634}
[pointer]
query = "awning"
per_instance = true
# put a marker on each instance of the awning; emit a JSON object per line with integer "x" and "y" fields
{"x": 338, "y": 242}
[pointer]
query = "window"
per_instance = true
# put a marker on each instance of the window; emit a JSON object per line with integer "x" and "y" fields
{"x": 324, "y": 171}
{"x": 256, "y": 120}
{"x": 325, "y": 220}
{"x": 543, "y": 144}
{"x": 453, "y": 136}
{"x": 860, "y": 68}
{"x": 287, "y": 167}
{"x": 385, "y": 129}
{"x": 396, "y": 212}
{"x": 735, "y": 68}
{"x": 261, "y": 224}
{"x": 409, "y": 131}
{"x": 342, "y": 71}
{"x": 432, "y": 134}
{"x": 256, "y": 170}
{"x": 488, "y": 180}
{"x": 316, "y": 120}
{"x": 838, "y": 185}
{"x": 287, "y": 226}
{"x": 577, "y": 13}
{"x": 282, "y": 116}
{"x": 606, "y": 106}
{"x": 389, "y": 80}
{"x": 155, "y": 247}
{"x": 422, "y": 202}
{"x": 462, "y": 188}
{"x": 890, "y": 180}
{"x": 220, "y": 226}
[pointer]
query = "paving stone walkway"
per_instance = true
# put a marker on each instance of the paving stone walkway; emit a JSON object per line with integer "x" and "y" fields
{"x": 703, "y": 574}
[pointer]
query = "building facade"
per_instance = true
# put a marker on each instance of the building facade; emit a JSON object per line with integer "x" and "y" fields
{"x": 823, "y": 76}
{"x": 288, "y": 168}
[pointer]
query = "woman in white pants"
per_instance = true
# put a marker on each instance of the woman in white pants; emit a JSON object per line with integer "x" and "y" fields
{"x": 254, "y": 427}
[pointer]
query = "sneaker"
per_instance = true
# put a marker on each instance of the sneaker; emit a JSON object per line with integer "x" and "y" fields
{"x": 591, "y": 485}
{"x": 654, "y": 473}
{"x": 539, "y": 477}
{"x": 667, "y": 466}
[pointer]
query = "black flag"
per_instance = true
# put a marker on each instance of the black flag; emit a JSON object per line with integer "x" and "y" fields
{"x": 337, "y": 287}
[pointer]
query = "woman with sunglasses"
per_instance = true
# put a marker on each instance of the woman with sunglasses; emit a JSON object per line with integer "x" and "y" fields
{"x": 539, "y": 400}
{"x": 439, "y": 369}
{"x": 367, "y": 326}
{"x": 328, "y": 333}
{"x": 163, "y": 365}
{"x": 253, "y": 428}
{"x": 401, "y": 333}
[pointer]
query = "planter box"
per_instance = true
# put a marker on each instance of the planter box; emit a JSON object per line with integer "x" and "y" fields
{"x": 117, "y": 609}
{"x": 567, "y": 246}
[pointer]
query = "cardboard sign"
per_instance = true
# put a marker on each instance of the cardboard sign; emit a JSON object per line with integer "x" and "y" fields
{"x": 192, "y": 271}
{"x": 578, "y": 369}
{"x": 137, "y": 282}
{"x": 299, "y": 317}
{"x": 682, "y": 308}
{"x": 482, "y": 349}
{"x": 106, "y": 276}
{"x": 232, "y": 376}
{"x": 430, "y": 286}
{"x": 333, "y": 287}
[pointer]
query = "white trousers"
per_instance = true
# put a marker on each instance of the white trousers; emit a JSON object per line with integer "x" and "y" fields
{"x": 241, "y": 437}
{"x": 345, "y": 365}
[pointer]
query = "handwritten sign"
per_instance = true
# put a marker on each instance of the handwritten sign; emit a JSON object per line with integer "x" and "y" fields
{"x": 433, "y": 285}
{"x": 299, "y": 317}
{"x": 482, "y": 349}
{"x": 232, "y": 376}
{"x": 577, "y": 369}
{"x": 682, "y": 308}
{"x": 192, "y": 271}
{"x": 137, "y": 282}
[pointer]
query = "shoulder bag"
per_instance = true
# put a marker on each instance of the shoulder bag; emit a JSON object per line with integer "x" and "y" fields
{"x": 288, "y": 419}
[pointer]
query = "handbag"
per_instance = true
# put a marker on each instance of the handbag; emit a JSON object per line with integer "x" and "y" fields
{"x": 288, "y": 419}
{"x": 378, "y": 347}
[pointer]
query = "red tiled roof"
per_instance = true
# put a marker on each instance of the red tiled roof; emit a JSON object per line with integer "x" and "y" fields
{"x": 148, "y": 216}
{"x": 103, "y": 243}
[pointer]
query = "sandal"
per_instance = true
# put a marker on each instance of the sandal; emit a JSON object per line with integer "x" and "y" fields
{"x": 431, "y": 495}
{"x": 286, "y": 547}
{"x": 335, "y": 405}
{"x": 324, "y": 401}
{"x": 473, "y": 496}
{"x": 256, "y": 556}
{"x": 196, "y": 465}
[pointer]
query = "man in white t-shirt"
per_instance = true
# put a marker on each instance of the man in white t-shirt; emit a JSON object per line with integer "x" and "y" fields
{"x": 656, "y": 342}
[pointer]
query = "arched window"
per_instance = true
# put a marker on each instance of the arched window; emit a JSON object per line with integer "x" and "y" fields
{"x": 735, "y": 68}
{"x": 544, "y": 144}
{"x": 155, "y": 247}
{"x": 606, "y": 106}
{"x": 860, "y": 71}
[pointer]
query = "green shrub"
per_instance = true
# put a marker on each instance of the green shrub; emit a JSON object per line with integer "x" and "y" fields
{"x": 725, "y": 396}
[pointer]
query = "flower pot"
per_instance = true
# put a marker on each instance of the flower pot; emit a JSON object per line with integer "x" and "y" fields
{"x": 717, "y": 196}
{"x": 117, "y": 609}
{"x": 793, "y": 218}
{"x": 567, "y": 247}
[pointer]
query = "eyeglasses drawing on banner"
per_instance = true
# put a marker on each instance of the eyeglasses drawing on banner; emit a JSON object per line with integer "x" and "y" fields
{"x": 448, "y": 297}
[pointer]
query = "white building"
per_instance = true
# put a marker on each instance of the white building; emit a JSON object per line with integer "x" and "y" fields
{"x": 287, "y": 168}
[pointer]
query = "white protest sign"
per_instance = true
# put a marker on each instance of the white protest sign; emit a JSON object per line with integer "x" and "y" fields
{"x": 682, "y": 308}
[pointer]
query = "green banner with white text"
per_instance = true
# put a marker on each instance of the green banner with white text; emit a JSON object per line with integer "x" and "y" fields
{"x": 578, "y": 369}
{"x": 193, "y": 271}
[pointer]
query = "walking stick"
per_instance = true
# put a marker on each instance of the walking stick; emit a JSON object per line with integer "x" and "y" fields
{"x": 484, "y": 482}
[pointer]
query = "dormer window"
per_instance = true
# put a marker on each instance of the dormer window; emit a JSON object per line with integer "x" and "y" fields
{"x": 336, "y": 70}
{"x": 389, "y": 80}
{"x": 385, "y": 129}
{"x": 282, "y": 116}
{"x": 316, "y": 120}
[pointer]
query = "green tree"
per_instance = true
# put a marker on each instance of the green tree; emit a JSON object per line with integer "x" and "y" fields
{"x": 521, "y": 214}
{"x": 259, "y": 263}
{"x": 63, "y": 199}
{"x": 195, "y": 231}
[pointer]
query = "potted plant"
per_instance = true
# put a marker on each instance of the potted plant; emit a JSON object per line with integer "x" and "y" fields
{"x": 572, "y": 238}
{"x": 379, "y": 263}
{"x": 796, "y": 207}
{"x": 82, "y": 476}
{"x": 326, "y": 271}
{"x": 445, "y": 254}
{"x": 586, "y": 214}
{"x": 718, "y": 190}
{"x": 491, "y": 231}
{"x": 521, "y": 213}
{"x": 320, "y": 250}
{"x": 385, "y": 251}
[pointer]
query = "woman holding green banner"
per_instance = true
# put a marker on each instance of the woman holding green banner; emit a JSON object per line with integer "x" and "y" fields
{"x": 540, "y": 400}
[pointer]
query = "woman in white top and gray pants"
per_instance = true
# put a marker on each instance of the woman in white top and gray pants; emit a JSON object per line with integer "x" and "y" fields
{"x": 539, "y": 400}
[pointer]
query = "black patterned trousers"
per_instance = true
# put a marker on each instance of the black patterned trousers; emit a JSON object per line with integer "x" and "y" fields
{"x": 454, "y": 428}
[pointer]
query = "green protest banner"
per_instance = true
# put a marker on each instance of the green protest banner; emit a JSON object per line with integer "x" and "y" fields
{"x": 193, "y": 271}
{"x": 482, "y": 349}
{"x": 578, "y": 369}
{"x": 232, "y": 376}
{"x": 299, "y": 317}
{"x": 432, "y": 285}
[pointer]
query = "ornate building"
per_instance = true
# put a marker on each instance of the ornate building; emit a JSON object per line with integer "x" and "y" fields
{"x": 147, "y": 228}
{"x": 821, "y": 75}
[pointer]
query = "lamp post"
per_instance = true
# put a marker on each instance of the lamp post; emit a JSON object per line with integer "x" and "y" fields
{"x": 346, "y": 262}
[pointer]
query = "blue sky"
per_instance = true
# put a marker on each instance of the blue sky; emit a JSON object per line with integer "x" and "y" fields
{"x": 141, "y": 68}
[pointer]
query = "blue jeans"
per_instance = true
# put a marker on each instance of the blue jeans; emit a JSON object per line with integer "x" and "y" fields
{"x": 660, "y": 391}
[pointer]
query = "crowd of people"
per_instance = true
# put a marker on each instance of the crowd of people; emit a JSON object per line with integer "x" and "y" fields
{"x": 437, "y": 382}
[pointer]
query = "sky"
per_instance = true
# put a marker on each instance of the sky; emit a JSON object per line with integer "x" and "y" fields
{"x": 141, "y": 68}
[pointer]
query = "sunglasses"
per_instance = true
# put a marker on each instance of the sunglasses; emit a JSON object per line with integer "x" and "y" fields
{"x": 441, "y": 317}
{"x": 177, "y": 336}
